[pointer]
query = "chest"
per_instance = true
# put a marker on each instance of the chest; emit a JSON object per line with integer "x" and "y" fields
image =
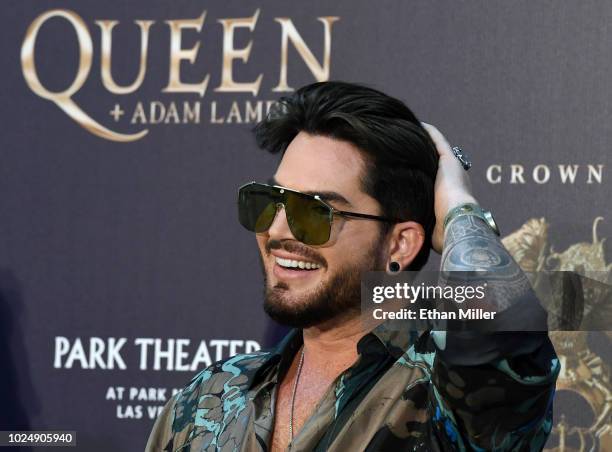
{"x": 309, "y": 392}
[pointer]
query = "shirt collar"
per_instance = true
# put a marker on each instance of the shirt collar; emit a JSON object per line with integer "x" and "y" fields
{"x": 389, "y": 338}
{"x": 280, "y": 355}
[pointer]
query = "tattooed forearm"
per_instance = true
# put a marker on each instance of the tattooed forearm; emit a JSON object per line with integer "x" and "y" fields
{"x": 471, "y": 245}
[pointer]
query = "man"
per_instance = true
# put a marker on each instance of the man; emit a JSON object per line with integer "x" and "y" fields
{"x": 363, "y": 185}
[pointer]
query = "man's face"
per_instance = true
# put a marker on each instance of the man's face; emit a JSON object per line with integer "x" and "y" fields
{"x": 306, "y": 297}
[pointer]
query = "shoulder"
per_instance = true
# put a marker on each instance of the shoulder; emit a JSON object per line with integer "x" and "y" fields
{"x": 235, "y": 372}
{"x": 203, "y": 397}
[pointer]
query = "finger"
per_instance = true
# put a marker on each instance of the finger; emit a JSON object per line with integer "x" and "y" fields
{"x": 442, "y": 144}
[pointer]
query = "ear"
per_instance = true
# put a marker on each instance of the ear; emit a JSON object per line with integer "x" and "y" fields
{"x": 405, "y": 241}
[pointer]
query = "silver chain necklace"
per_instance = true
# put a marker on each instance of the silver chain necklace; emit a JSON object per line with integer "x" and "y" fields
{"x": 299, "y": 372}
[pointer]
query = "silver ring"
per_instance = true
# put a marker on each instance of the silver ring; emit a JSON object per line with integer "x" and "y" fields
{"x": 463, "y": 159}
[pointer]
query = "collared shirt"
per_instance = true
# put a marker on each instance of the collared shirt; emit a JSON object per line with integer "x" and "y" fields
{"x": 402, "y": 393}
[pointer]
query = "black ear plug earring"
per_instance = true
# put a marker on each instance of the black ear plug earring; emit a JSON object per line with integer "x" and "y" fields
{"x": 394, "y": 267}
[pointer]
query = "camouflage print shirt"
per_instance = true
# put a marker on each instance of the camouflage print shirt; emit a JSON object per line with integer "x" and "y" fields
{"x": 403, "y": 393}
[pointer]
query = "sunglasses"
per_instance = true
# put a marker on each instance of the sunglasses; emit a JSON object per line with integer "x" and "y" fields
{"x": 308, "y": 216}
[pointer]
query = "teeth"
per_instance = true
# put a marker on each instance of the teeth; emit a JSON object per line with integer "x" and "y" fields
{"x": 289, "y": 263}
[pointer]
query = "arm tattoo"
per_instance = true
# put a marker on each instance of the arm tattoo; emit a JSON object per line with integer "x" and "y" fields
{"x": 471, "y": 245}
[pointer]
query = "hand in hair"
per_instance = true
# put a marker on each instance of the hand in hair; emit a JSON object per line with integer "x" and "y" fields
{"x": 452, "y": 185}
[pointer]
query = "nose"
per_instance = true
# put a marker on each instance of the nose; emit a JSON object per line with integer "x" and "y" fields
{"x": 279, "y": 229}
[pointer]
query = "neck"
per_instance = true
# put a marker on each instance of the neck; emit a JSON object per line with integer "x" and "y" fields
{"x": 333, "y": 346}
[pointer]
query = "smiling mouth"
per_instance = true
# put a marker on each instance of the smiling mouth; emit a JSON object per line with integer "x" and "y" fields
{"x": 297, "y": 265}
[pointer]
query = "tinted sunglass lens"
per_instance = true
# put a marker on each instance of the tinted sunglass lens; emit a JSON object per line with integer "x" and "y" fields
{"x": 308, "y": 219}
{"x": 256, "y": 208}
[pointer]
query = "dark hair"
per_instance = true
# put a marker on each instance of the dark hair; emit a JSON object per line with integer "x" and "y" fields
{"x": 401, "y": 160}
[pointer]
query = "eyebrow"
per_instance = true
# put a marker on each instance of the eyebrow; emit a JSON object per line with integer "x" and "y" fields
{"x": 324, "y": 195}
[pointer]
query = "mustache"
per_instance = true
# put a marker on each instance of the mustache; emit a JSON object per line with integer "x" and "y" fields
{"x": 294, "y": 247}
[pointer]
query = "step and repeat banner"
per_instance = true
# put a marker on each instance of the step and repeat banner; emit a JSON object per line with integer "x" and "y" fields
{"x": 126, "y": 131}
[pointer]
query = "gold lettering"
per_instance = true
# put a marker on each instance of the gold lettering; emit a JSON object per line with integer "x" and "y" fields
{"x": 595, "y": 173}
{"x": 253, "y": 112}
{"x": 191, "y": 114}
{"x": 540, "y": 174}
{"x": 234, "y": 114}
{"x": 106, "y": 30}
{"x": 230, "y": 53}
{"x": 490, "y": 177}
{"x": 320, "y": 71}
{"x": 63, "y": 99}
{"x": 178, "y": 54}
{"x": 517, "y": 174}
{"x": 213, "y": 114}
{"x": 172, "y": 113}
{"x": 157, "y": 111}
{"x": 139, "y": 114}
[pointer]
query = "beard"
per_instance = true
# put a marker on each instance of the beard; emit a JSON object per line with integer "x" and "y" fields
{"x": 339, "y": 297}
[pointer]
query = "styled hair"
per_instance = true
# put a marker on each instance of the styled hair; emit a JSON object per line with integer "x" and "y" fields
{"x": 400, "y": 158}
